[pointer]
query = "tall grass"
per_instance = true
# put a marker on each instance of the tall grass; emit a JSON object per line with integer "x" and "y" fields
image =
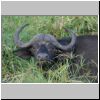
{"x": 15, "y": 69}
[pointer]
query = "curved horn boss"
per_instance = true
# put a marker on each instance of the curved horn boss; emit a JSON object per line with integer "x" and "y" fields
{"x": 44, "y": 37}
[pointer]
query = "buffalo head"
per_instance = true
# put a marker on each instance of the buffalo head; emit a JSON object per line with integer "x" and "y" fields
{"x": 43, "y": 47}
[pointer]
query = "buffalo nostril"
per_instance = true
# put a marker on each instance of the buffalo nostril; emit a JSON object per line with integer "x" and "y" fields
{"x": 38, "y": 56}
{"x": 46, "y": 56}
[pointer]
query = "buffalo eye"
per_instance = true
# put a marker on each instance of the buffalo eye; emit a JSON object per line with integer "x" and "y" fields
{"x": 51, "y": 48}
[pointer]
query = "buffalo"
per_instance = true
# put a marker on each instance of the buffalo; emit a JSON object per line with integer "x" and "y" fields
{"x": 46, "y": 48}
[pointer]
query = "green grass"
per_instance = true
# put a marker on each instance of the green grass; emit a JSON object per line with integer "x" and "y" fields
{"x": 17, "y": 70}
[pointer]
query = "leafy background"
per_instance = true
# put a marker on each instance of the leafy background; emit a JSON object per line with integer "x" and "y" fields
{"x": 17, "y": 70}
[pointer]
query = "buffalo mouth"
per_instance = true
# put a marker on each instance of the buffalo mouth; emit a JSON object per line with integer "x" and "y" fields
{"x": 42, "y": 62}
{"x": 44, "y": 65}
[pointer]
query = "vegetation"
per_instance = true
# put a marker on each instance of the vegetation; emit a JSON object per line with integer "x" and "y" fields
{"x": 17, "y": 70}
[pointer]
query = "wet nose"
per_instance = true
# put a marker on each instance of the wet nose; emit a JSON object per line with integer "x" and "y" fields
{"x": 42, "y": 56}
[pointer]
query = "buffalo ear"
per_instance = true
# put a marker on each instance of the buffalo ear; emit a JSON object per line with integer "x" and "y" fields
{"x": 23, "y": 53}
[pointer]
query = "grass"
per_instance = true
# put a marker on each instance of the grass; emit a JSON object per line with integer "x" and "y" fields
{"x": 17, "y": 70}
